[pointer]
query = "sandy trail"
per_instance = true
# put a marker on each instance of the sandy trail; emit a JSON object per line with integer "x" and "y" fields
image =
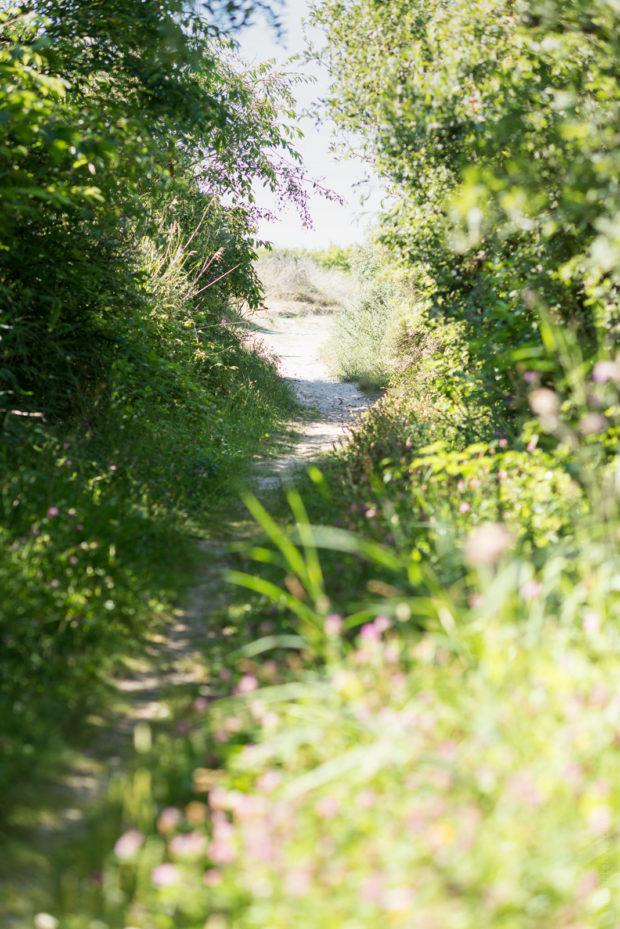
{"x": 299, "y": 344}
{"x": 175, "y": 657}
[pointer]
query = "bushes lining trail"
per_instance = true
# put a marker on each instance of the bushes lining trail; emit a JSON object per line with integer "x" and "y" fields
{"x": 130, "y": 405}
{"x": 411, "y": 718}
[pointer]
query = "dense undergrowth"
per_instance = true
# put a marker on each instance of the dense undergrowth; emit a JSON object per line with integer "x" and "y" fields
{"x": 130, "y": 404}
{"x": 419, "y": 723}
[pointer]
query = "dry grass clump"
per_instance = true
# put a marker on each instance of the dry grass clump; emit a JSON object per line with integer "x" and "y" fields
{"x": 296, "y": 285}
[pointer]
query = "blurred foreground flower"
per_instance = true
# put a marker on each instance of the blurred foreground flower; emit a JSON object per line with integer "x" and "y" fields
{"x": 45, "y": 921}
{"x": 128, "y": 844}
{"x": 164, "y": 875}
{"x": 333, "y": 624}
{"x": 486, "y": 544}
{"x": 593, "y": 423}
{"x": 545, "y": 404}
{"x": 604, "y": 371}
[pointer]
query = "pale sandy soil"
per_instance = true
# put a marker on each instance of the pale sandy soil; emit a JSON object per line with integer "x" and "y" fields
{"x": 299, "y": 343}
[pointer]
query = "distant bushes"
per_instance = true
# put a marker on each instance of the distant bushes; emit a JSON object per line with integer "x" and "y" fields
{"x": 359, "y": 333}
{"x": 294, "y": 281}
{"x": 488, "y": 134}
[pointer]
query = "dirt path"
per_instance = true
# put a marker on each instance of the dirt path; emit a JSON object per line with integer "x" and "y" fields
{"x": 299, "y": 345}
{"x": 299, "y": 342}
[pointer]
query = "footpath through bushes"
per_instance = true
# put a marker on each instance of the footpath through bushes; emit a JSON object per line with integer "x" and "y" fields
{"x": 421, "y": 726}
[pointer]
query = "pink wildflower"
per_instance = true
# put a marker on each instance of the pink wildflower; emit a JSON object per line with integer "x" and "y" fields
{"x": 591, "y": 623}
{"x": 212, "y": 877}
{"x": 53, "y": 511}
{"x": 604, "y": 371}
{"x": 165, "y": 875}
{"x": 128, "y": 844}
{"x": 188, "y": 845}
{"x": 247, "y": 684}
{"x": 168, "y": 820}
{"x": 328, "y": 807}
{"x": 531, "y": 589}
{"x": 366, "y": 799}
{"x": 370, "y": 633}
{"x": 333, "y": 624}
{"x": 222, "y": 851}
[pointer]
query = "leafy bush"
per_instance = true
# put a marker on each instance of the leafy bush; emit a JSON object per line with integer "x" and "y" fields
{"x": 501, "y": 159}
{"x": 129, "y": 404}
{"x": 359, "y": 331}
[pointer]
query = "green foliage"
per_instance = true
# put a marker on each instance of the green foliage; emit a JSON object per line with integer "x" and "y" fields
{"x": 336, "y": 256}
{"x": 421, "y": 757}
{"x": 425, "y": 730}
{"x": 102, "y": 138}
{"x": 494, "y": 123}
{"x": 360, "y": 328}
{"x": 130, "y": 138}
{"x": 410, "y": 776}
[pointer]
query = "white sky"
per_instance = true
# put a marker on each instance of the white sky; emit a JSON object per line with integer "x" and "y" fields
{"x": 341, "y": 225}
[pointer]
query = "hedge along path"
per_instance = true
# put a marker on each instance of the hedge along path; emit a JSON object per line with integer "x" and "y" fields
{"x": 173, "y": 668}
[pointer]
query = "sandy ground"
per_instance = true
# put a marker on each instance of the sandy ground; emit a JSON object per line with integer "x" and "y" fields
{"x": 299, "y": 343}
